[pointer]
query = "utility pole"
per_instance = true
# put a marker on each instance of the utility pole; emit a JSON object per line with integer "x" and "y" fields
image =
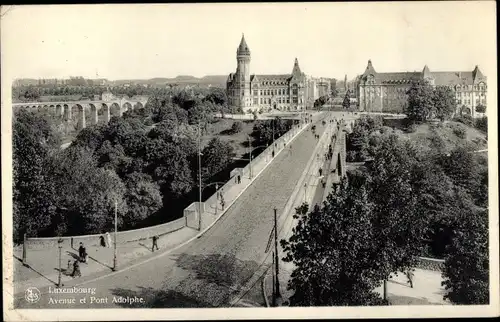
{"x": 278, "y": 294}
{"x": 199, "y": 176}
{"x": 59, "y": 242}
{"x": 116, "y": 230}
{"x": 250, "y": 156}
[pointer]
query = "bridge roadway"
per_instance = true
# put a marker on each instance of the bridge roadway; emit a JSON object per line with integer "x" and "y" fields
{"x": 212, "y": 269}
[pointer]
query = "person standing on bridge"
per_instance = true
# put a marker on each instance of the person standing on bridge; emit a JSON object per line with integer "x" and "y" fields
{"x": 409, "y": 275}
{"x": 155, "y": 243}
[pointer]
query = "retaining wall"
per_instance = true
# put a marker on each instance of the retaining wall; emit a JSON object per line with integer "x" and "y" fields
{"x": 431, "y": 264}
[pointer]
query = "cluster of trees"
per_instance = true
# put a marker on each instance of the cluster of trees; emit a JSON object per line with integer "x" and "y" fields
{"x": 346, "y": 103}
{"x": 379, "y": 220}
{"x": 145, "y": 161}
{"x": 322, "y": 100}
{"x": 427, "y": 102}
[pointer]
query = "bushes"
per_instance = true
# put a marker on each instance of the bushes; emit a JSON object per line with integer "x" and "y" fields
{"x": 460, "y": 132}
{"x": 236, "y": 127}
{"x": 482, "y": 124}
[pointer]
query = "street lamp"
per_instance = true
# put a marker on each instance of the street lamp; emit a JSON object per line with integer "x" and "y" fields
{"x": 199, "y": 176}
{"x": 216, "y": 191}
{"x": 116, "y": 231}
{"x": 59, "y": 244}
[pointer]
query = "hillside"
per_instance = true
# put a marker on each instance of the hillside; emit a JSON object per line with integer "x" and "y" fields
{"x": 450, "y": 133}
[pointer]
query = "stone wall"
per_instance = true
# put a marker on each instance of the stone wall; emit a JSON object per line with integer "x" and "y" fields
{"x": 431, "y": 264}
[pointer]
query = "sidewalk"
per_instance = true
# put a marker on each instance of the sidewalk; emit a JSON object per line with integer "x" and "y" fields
{"x": 43, "y": 270}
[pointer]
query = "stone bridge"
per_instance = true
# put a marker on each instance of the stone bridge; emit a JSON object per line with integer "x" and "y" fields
{"x": 66, "y": 110}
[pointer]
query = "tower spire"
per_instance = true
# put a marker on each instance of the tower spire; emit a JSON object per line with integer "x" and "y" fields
{"x": 243, "y": 47}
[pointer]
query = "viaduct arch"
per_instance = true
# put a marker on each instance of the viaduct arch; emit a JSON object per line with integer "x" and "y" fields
{"x": 66, "y": 110}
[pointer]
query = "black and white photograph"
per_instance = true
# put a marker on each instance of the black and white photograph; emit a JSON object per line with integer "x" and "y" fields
{"x": 270, "y": 160}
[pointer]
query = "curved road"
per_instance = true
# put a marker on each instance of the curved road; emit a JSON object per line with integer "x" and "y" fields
{"x": 209, "y": 271}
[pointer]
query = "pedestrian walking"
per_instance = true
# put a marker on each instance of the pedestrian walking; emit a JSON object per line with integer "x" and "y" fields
{"x": 222, "y": 202}
{"x": 69, "y": 267}
{"x": 323, "y": 183}
{"x": 239, "y": 178}
{"x": 108, "y": 238}
{"x": 155, "y": 243}
{"x": 320, "y": 171}
{"x": 409, "y": 275}
{"x": 102, "y": 241}
{"x": 76, "y": 269}
{"x": 273, "y": 154}
{"x": 290, "y": 148}
{"x": 82, "y": 253}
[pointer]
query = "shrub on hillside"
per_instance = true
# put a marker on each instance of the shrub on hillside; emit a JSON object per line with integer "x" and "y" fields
{"x": 465, "y": 119}
{"x": 411, "y": 128}
{"x": 237, "y": 127}
{"x": 482, "y": 124}
{"x": 460, "y": 132}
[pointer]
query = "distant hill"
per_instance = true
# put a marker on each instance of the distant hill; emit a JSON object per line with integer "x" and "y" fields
{"x": 213, "y": 80}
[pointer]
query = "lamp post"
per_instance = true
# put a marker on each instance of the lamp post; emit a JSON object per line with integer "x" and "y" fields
{"x": 216, "y": 191}
{"x": 59, "y": 244}
{"x": 116, "y": 231}
{"x": 276, "y": 260}
{"x": 305, "y": 191}
{"x": 199, "y": 176}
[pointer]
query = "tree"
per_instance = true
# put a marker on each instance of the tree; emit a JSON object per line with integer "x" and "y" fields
{"x": 481, "y": 108}
{"x": 347, "y": 100}
{"x": 87, "y": 192}
{"x": 34, "y": 142}
{"x": 142, "y": 196}
{"x": 334, "y": 92}
{"x": 420, "y": 102}
{"x": 236, "y": 127}
{"x": 444, "y": 101}
{"x": 333, "y": 252}
{"x": 217, "y": 155}
{"x": 466, "y": 268}
{"x": 400, "y": 226}
{"x": 217, "y": 96}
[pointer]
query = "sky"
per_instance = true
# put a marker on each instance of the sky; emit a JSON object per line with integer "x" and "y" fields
{"x": 126, "y": 41}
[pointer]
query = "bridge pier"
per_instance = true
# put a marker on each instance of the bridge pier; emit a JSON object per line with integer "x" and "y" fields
{"x": 106, "y": 113}
{"x": 81, "y": 118}
{"x": 94, "y": 116}
{"x": 69, "y": 112}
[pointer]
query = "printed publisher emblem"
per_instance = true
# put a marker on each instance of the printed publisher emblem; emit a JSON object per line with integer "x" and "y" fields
{"x": 32, "y": 295}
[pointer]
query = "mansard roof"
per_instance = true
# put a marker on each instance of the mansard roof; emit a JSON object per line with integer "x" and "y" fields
{"x": 398, "y": 78}
{"x": 283, "y": 78}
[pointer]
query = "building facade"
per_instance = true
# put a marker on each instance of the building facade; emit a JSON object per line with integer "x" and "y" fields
{"x": 286, "y": 92}
{"x": 386, "y": 92}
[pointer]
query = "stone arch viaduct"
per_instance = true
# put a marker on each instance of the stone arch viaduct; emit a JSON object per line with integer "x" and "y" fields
{"x": 115, "y": 107}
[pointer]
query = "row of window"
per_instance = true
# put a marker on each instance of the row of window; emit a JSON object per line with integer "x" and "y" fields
{"x": 480, "y": 87}
{"x": 468, "y": 101}
{"x": 276, "y": 91}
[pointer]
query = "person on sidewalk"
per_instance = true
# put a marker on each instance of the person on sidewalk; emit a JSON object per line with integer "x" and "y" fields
{"x": 320, "y": 171}
{"x": 409, "y": 275}
{"x": 82, "y": 252}
{"x": 222, "y": 202}
{"x": 108, "y": 238}
{"x": 69, "y": 267}
{"x": 76, "y": 269}
{"x": 102, "y": 241}
{"x": 239, "y": 179}
{"x": 323, "y": 183}
{"x": 155, "y": 243}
